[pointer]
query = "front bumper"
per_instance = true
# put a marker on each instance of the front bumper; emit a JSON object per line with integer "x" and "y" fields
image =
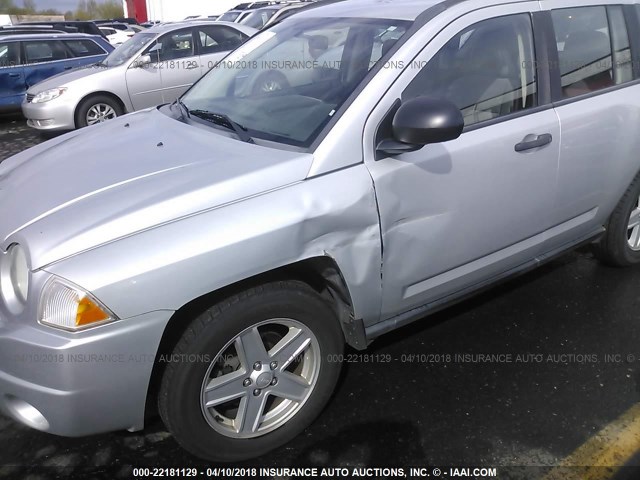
{"x": 75, "y": 384}
{"x": 56, "y": 114}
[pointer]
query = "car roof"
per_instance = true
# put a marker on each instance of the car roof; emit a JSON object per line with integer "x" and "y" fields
{"x": 46, "y": 22}
{"x": 277, "y": 6}
{"x": 48, "y": 36}
{"x": 396, "y": 9}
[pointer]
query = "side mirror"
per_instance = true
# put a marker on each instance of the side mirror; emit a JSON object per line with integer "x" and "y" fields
{"x": 142, "y": 61}
{"x": 421, "y": 121}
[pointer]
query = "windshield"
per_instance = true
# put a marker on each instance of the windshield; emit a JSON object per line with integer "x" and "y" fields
{"x": 286, "y": 83}
{"x": 128, "y": 49}
{"x": 229, "y": 16}
{"x": 258, "y": 18}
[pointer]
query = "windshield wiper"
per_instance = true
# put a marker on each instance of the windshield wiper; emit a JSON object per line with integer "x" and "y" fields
{"x": 224, "y": 121}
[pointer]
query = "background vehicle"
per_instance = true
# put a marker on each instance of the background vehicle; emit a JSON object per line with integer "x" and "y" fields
{"x": 27, "y": 30}
{"x": 153, "y": 67}
{"x": 234, "y": 15}
{"x": 286, "y": 12}
{"x": 81, "y": 27}
{"x": 258, "y": 18}
{"x": 116, "y": 37}
{"x": 128, "y": 21}
{"x": 27, "y": 59}
{"x": 123, "y": 27}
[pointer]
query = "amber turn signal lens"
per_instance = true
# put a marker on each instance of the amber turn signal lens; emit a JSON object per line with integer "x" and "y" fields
{"x": 89, "y": 312}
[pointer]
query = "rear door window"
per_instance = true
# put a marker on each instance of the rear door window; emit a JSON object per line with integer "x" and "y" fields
{"x": 43, "y": 51}
{"x": 584, "y": 41}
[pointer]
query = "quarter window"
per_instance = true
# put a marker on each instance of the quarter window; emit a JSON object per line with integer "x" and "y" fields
{"x": 622, "y": 62}
{"x": 584, "y": 49}
{"x": 487, "y": 70}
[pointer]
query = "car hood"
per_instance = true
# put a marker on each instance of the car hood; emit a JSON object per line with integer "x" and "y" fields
{"x": 130, "y": 174}
{"x": 66, "y": 78}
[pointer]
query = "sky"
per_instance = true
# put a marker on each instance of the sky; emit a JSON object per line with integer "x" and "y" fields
{"x": 61, "y": 5}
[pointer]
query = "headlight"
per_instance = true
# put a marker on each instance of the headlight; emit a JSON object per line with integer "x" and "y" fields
{"x": 67, "y": 306}
{"x": 47, "y": 95}
{"x": 14, "y": 278}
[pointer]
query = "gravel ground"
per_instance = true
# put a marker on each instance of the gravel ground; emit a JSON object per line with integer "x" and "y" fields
{"x": 15, "y": 136}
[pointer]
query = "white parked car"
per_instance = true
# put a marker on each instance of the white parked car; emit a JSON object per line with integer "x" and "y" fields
{"x": 116, "y": 37}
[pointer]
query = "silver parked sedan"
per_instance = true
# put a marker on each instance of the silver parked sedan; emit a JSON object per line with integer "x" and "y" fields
{"x": 153, "y": 67}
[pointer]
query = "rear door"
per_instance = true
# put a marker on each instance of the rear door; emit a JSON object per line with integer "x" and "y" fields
{"x": 44, "y": 59}
{"x": 592, "y": 44}
{"x": 214, "y": 42}
{"x": 11, "y": 76}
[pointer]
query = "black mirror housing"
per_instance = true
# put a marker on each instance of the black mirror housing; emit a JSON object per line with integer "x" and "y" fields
{"x": 425, "y": 120}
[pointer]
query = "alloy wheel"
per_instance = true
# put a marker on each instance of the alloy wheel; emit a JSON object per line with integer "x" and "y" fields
{"x": 261, "y": 378}
{"x": 100, "y": 112}
{"x": 633, "y": 227}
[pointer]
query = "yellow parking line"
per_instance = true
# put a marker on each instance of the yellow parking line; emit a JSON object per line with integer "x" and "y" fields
{"x": 600, "y": 457}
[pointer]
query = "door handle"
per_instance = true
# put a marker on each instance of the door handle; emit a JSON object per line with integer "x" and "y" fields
{"x": 191, "y": 66}
{"x": 14, "y": 75}
{"x": 537, "y": 141}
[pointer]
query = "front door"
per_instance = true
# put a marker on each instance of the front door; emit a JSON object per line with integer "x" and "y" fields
{"x": 11, "y": 77}
{"x": 456, "y": 214}
{"x": 144, "y": 84}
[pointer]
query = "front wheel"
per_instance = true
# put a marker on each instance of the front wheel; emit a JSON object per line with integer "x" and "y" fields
{"x": 252, "y": 372}
{"x": 97, "y": 109}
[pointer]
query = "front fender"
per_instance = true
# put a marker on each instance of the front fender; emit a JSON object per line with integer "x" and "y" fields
{"x": 165, "y": 267}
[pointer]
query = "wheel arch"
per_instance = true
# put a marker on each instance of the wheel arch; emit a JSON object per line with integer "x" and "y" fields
{"x": 322, "y": 273}
{"x": 95, "y": 94}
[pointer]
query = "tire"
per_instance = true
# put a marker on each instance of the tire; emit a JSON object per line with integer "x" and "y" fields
{"x": 207, "y": 364}
{"x": 99, "y": 107}
{"x": 620, "y": 245}
{"x": 270, "y": 82}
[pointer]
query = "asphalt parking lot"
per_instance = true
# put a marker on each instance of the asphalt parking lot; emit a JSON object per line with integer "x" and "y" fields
{"x": 523, "y": 378}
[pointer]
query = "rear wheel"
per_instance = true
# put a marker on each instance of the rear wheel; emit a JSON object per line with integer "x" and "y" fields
{"x": 620, "y": 245}
{"x": 97, "y": 109}
{"x": 252, "y": 372}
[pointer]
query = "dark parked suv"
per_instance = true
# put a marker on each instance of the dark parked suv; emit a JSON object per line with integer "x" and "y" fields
{"x": 81, "y": 27}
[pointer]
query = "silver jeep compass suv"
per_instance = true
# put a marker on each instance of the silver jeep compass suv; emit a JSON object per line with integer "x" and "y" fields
{"x": 343, "y": 173}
